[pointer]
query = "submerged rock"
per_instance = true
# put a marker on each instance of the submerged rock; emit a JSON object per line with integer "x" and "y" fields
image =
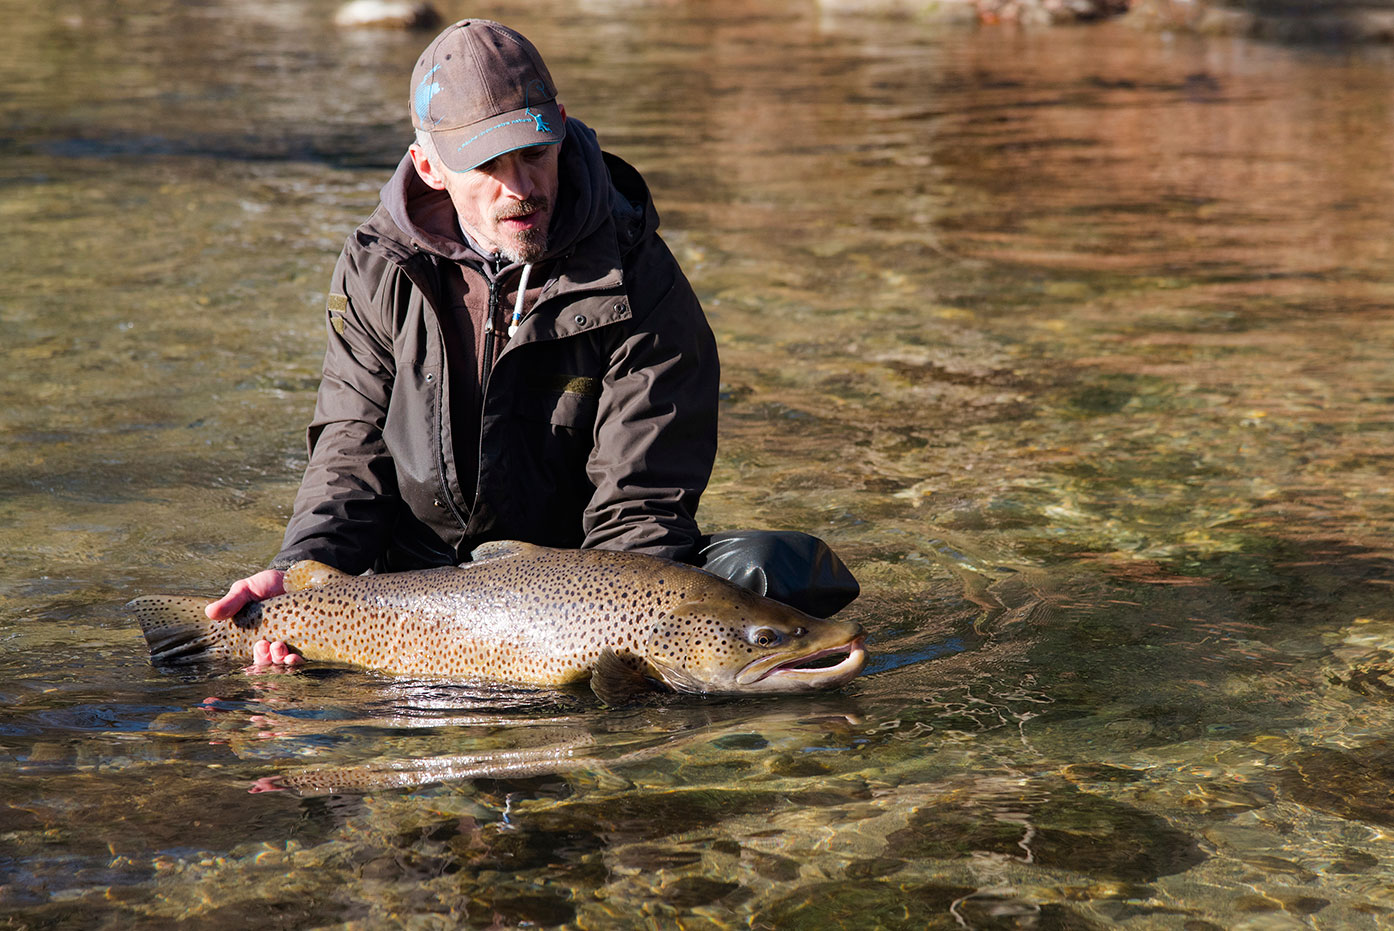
{"x": 649, "y": 817}
{"x": 695, "y": 891}
{"x": 1049, "y": 12}
{"x": 1354, "y": 784}
{"x": 518, "y": 907}
{"x": 387, "y": 14}
{"x": 1054, "y": 826}
{"x": 1026, "y": 12}
{"x": 860, "y": 904}
{"x": 1315, "y": 20}
{"x": 909, "y": 906}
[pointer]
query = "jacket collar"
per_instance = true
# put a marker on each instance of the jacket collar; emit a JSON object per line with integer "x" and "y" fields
{"x": 424, "y": 219}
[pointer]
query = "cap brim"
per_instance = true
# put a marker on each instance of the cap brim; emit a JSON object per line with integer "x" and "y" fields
{"x": 471, "y": 146}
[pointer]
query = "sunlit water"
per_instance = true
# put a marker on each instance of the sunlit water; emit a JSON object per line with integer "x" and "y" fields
{"x": 1077, "y": 344}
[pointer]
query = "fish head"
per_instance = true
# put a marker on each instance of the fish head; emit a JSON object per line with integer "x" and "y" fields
{"x": 740, "y": 642}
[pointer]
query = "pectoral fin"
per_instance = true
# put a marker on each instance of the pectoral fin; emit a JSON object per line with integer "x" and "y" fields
{"x": 667, "y": 651}
{"x": 616, "y": 682}
{"x": 310, "y": 574}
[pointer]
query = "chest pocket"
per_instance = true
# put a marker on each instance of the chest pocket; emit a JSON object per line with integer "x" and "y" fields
{"x": 568, "y": 402}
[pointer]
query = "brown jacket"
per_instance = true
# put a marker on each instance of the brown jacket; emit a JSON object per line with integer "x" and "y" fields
{"x": 593, "y": 426}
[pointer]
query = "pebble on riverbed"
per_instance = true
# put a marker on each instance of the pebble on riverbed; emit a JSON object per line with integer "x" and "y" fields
{"x": 386, "y": 14}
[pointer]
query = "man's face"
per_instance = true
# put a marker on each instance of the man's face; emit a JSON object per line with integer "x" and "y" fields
{"x": 507, "y": 203}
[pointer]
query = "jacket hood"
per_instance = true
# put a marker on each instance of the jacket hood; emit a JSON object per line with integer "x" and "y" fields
{"x": 593, "y": 187}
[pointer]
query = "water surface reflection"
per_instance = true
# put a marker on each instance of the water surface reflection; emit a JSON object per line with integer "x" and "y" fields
{"x": 1077, "y": 343}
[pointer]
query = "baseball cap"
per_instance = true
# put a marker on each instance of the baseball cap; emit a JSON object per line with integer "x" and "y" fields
{"x": 481, "y": 89}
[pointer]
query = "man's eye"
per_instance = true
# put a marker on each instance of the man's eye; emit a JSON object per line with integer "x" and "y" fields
{"x": 535, "y": 153}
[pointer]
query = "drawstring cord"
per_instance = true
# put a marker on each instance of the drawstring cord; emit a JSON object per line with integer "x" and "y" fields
{"x": 518, "y": 305}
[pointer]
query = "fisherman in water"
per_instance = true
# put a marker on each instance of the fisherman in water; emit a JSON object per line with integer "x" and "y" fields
{"x": 515, "y": 354}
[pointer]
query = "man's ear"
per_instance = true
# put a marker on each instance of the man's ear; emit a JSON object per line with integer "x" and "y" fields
{"x": 562, "y": 108}
{"x": 426, "y": 168}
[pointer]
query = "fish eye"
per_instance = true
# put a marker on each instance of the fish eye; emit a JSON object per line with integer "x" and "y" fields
{"x": 766, "y": 637}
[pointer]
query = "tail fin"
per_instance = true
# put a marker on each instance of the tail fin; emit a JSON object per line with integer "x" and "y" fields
{"x": 177, "y": 630}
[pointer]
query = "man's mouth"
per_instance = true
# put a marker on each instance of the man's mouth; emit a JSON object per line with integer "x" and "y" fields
{"x": 525, "y": 216}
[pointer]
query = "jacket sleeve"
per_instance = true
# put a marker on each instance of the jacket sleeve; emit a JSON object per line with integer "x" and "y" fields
{"x": 347, "y": 498}
{"x": 655, "y": 433}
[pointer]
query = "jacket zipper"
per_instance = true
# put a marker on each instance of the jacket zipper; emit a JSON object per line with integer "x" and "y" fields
{"x": 490, "y": 341}
{"x": 489, "y": 337}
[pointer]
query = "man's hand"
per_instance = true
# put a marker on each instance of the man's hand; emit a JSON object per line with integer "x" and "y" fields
{"x": 265, "y": 584}
{"x": 274, "y": 654}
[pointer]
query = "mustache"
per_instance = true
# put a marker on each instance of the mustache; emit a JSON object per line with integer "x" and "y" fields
{"x": 523, "y": 208}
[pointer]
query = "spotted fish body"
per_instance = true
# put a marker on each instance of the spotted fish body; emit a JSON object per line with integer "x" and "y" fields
{"x": 529, "y": 615}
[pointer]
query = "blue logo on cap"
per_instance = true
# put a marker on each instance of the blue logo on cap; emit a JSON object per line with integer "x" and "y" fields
{"x": 424, "y": 93}
{"x": 541, "y": 125}
{"x": 538, "y": 122}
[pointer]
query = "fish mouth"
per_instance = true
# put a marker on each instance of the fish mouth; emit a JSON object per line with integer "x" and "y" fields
{"x": 824, "y": 668}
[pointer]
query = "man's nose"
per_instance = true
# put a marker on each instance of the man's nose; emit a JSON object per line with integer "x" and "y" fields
{"x": 512, "y": 173}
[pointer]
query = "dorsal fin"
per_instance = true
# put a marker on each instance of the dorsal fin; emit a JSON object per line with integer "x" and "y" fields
{"x": 496, "y": 549}
{"x": 310, "y": 574}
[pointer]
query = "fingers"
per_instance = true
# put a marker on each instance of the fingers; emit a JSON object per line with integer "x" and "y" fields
{"x": 268, "y": 583}
{"x": 282, "y": 655}
{"x": 225, "y": 607}
{"x": 265, "y": 584}
{"x": 266, "y": 653}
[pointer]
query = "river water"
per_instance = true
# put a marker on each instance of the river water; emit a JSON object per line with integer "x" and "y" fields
{"x": 1077, "y": 344}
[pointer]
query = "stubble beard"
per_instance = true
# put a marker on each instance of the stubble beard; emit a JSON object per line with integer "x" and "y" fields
{"x": 526, "y": 246}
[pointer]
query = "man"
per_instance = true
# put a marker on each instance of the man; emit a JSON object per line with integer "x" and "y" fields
{"x": 515, "y": 354}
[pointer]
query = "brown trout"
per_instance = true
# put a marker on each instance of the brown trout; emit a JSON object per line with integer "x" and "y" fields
{"x": 528, "y": 615}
